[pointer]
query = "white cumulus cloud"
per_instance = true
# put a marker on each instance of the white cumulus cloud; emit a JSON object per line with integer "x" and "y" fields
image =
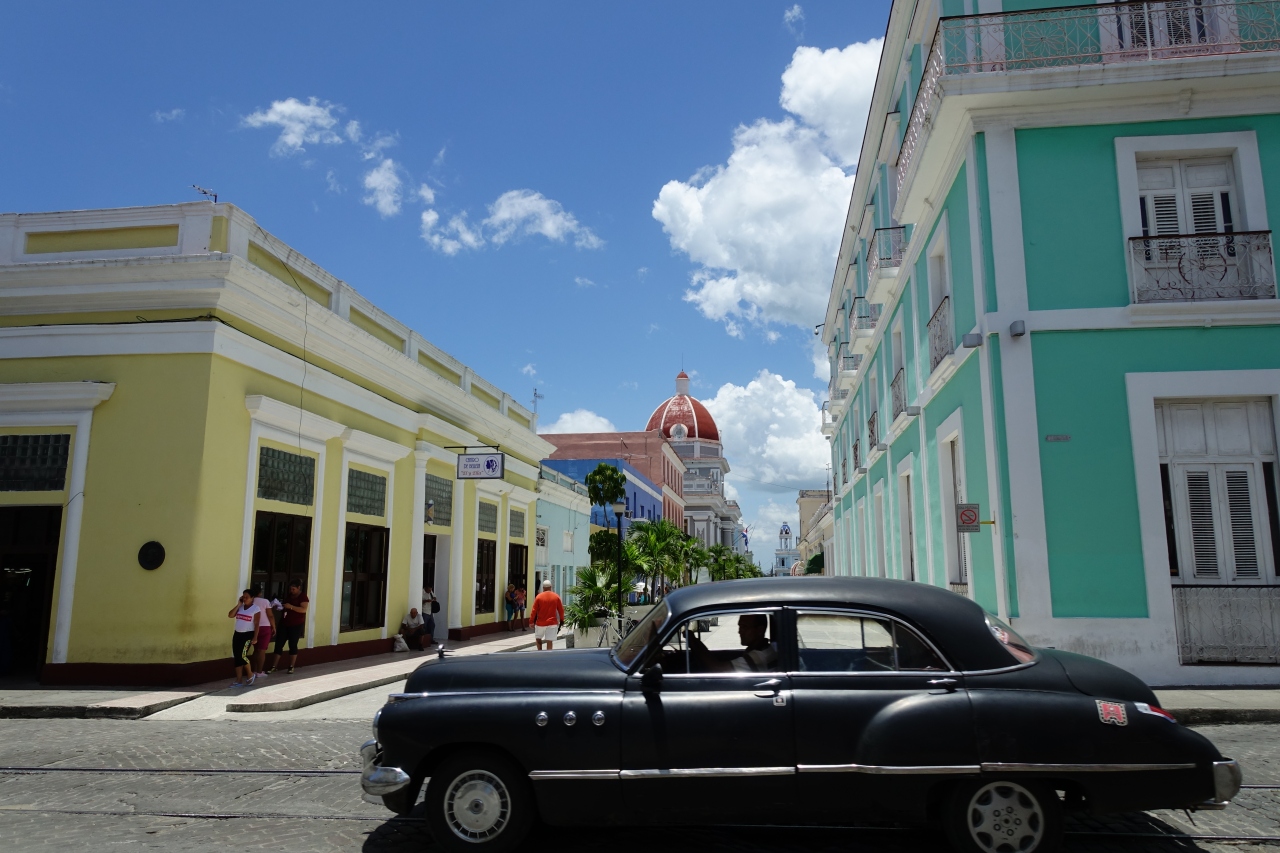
{"x": 579, "y": 420}
{"x": 162, "y": 116}
{"x": 300, "y": 124}
{"x": 764, "y": 227}
{"x": 771, "y": 430}
{"x": 383, "y": 185}
{"x": 529, "y": 370}
{"x": 582, "y": 281}
{"x": 427, "y": 194}
{"x": 518, "y": 213}
{"x": 515, "y": 214}
{"x": 794, "y": 19}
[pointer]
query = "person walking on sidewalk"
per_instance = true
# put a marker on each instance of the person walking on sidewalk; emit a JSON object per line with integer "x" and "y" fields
{"x": 521, "y": 598}
{"x": 248, "y": 618}
{"x": 547, "y": 616}
{"x": 295, "y": 623}
{"x": 509, "y": 599}
{"x": 263, "y": 641}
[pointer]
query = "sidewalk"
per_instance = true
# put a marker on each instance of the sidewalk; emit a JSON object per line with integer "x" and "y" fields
{"x": 1205, "y": 706}
{"x": 278, "y": 692}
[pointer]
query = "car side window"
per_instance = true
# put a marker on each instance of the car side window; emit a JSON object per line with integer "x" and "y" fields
{"x": 834, "y": 642}
{"x": 723, "y": 643}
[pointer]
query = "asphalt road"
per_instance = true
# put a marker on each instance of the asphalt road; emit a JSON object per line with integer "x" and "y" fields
{"x": 285, "y": 781}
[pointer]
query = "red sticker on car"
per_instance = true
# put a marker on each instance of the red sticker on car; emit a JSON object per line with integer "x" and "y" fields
{"x": 1112, "y": 713}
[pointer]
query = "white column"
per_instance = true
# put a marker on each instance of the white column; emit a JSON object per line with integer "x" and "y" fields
{"x": 459, "y": 535}
{"x": 417, "y": 520}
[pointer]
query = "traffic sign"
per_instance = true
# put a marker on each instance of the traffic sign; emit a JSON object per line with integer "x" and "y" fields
{"x": 967, "y": 518}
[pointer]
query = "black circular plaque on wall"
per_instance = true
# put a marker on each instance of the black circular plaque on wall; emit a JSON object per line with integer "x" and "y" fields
{"x": 151, "y": 556}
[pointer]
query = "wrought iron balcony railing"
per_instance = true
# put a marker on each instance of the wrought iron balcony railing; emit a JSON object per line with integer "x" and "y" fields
{"x": 1196, "y": 267}
{"x": 942, "y": 340}
{"x": 865, "y": 315}
{"x": 873, "y": 430}
{"x": 844, "y": 470}
{"x": 1096, "y": 34}
{"x": 885, "y": 249}
{"x": 828, "y": 419}
{"x": 1227, "y": 624}
{"x": 898, "y": 391}
{"x": 857, "y": 455}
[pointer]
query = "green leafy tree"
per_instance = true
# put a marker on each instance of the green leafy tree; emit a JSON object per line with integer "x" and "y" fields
{"x": 596, "y": 591}
{"x": 607, "y": 485}
{"x": 602, "y": 546}
{"x": 657, "y": 548}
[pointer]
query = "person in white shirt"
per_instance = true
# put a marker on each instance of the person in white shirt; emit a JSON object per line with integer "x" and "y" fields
{"x": 249, "y": 618}
{"x": 429, "y": 607}
{"x": 413, "y": 628}
{"x": 265, "y": 629}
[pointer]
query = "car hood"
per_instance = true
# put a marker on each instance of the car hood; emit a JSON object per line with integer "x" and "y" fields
{"x": 556, "y": 670}
{"x": 1094, "y": 677}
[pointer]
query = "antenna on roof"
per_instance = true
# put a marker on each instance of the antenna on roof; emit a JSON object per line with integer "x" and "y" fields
{"x": 536, "y": 398}
{"x": 206, "y": 193}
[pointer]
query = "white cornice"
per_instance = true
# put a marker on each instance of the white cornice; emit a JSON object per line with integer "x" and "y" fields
{"x": 54, "y": 396}
{"x": 374, "y": 447}
{"x": 291, "y": 419}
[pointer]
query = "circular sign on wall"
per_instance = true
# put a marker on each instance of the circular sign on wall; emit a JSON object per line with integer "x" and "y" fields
{"x": 151, "y": 556}
{"x": 968, "y": 516}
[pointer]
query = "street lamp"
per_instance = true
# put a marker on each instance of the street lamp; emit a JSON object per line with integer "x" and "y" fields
{"x": 619, "y": 507}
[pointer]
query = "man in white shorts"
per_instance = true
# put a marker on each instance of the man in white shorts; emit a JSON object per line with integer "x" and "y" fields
{"x": 547, "y": 616}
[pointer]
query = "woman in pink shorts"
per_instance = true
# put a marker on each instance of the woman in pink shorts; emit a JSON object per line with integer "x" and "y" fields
{"x": 265, "y": 630}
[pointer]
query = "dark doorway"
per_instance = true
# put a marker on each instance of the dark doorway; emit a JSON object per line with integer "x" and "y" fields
{"x": 429, "y": 561}
{"x": 486, "y": 570}
{"x": 281, "y": 552}
{"x": 28, "y": 557}
{"x": 517, "y": 565}
{"x": 364, "y": 577}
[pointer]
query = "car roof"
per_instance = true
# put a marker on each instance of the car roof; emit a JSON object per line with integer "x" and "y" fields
{"x": 954, "y": 623}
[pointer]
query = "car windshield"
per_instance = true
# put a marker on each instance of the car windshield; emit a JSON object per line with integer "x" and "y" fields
{"x": 1014, "y": 644}
{"x": 630, "y": 647}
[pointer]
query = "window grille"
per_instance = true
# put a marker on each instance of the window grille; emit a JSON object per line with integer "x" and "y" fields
{"x": 488, "y": 521}
{"x": 287, "y": 477}
{"x": 440, "y": 500}
{"x": 517, "y": 524}
{"x": 366, "y": 493}
{"x": 34, "y": 463}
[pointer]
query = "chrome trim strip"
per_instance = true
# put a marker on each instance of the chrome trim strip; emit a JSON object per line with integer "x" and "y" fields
{"x": 543, "y": 775}
{"x": 878, "y": 769}
{"x": 392, "y": 698}
{"x": 1015, "y": 767}
{"x": 706, "y": 772}
{"x": 402, "y": 697}
{"x": 899, "y": 673}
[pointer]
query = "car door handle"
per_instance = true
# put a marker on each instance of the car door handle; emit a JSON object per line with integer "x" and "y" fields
{"x": 770, "y": 687}
{"x": 948, "y": 684}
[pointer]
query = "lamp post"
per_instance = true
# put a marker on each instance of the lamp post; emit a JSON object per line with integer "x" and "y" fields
{"x": 619, "y": 507}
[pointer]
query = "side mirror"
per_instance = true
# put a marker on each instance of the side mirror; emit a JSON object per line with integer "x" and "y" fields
{"x": 651, "y": 681}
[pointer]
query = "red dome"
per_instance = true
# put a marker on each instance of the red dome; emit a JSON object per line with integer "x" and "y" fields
{"x": 686, "y": 411}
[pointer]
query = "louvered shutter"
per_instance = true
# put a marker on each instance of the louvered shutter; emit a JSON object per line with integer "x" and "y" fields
{"x": 1161, "y": 208}
{"x": 1242, "y": 519}
{"x": 1208, "y": 188}
{"x": 1201, "y": 502}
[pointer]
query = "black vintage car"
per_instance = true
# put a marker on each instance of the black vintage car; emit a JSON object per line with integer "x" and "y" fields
{"x": 819, "y": 701}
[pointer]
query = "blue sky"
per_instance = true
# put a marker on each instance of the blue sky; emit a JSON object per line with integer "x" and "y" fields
{"x": 614, "y": 188}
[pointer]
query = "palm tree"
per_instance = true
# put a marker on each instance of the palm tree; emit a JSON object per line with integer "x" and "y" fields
{"x": 721, "y": 559}
{"x": 657, "y": 546}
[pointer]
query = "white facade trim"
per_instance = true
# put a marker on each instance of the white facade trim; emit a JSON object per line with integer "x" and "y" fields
{"x": 61, "y": 404}
{"x": 1152, "y": 643}
{"x": 371, "y": 452}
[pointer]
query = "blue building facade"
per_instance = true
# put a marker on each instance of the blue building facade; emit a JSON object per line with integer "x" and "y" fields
{"x": 644, "y": 497}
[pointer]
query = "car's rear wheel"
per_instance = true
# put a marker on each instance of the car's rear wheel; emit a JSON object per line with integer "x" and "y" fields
{"x": 479, "y": 801}
{"x": 1002, "y": 816}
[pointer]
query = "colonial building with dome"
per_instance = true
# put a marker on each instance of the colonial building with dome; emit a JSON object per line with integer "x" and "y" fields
{"x": 693, "y": 433}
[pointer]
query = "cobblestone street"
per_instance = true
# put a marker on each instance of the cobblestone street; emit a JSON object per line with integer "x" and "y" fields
{"x": 289, "y": 781}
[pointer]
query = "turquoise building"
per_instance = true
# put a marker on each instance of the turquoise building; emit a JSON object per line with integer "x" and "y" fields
{"x": 1054, "y": 314}
{"x": 562, "y": 532}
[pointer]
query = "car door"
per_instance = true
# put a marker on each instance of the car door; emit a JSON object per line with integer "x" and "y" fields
{"x": 880, "y": 716}
{"x": 714, "y": 742}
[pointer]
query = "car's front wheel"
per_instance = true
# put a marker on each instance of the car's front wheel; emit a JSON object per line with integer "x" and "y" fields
{"x": 1002, "y": 816}
{"x": 479, "y": 801}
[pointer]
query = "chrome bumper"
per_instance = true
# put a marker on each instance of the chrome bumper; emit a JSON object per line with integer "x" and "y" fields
{"x": 1226, "y": 780}
{"x": 377, "y": 781}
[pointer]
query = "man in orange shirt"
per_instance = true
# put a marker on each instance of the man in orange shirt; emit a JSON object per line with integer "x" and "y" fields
{"x": 547, "y": 615}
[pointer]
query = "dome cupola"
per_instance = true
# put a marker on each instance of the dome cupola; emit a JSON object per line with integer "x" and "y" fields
{"x": 682, "y": 417}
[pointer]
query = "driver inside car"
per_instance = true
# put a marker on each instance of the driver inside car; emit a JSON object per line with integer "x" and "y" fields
{"x": 759, "y": 655}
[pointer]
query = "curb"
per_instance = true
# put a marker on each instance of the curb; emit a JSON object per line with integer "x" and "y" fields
{"x": 332, "y": 693}
{"x": 89, "y": 712}
{"x": 1224, "y": 716}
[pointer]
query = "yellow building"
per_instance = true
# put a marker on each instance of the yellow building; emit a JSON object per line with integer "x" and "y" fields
{"x": 177, "y": 375}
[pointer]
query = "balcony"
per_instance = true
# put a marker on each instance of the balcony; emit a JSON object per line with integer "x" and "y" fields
{"x": 873, "y": 431}
{"x": 847, "y": 364}
{"x": 1202, "y": 267}
{"x": 898, "y": 391}
{"x": 857, "y": 455}
{"x": 1086, "y": 35}
{"x": 864, "y": 316}
{"x": 942, "y": 341}
{"x": 838, "y": 397}
{"x": 844, "y": 470}
{"x": 884, "y": 258}
{"x": 828, "y": 420}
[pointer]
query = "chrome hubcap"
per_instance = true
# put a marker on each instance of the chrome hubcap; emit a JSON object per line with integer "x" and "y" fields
{"x": 1005, "y": 818}
{"x": 477, "y": 806}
